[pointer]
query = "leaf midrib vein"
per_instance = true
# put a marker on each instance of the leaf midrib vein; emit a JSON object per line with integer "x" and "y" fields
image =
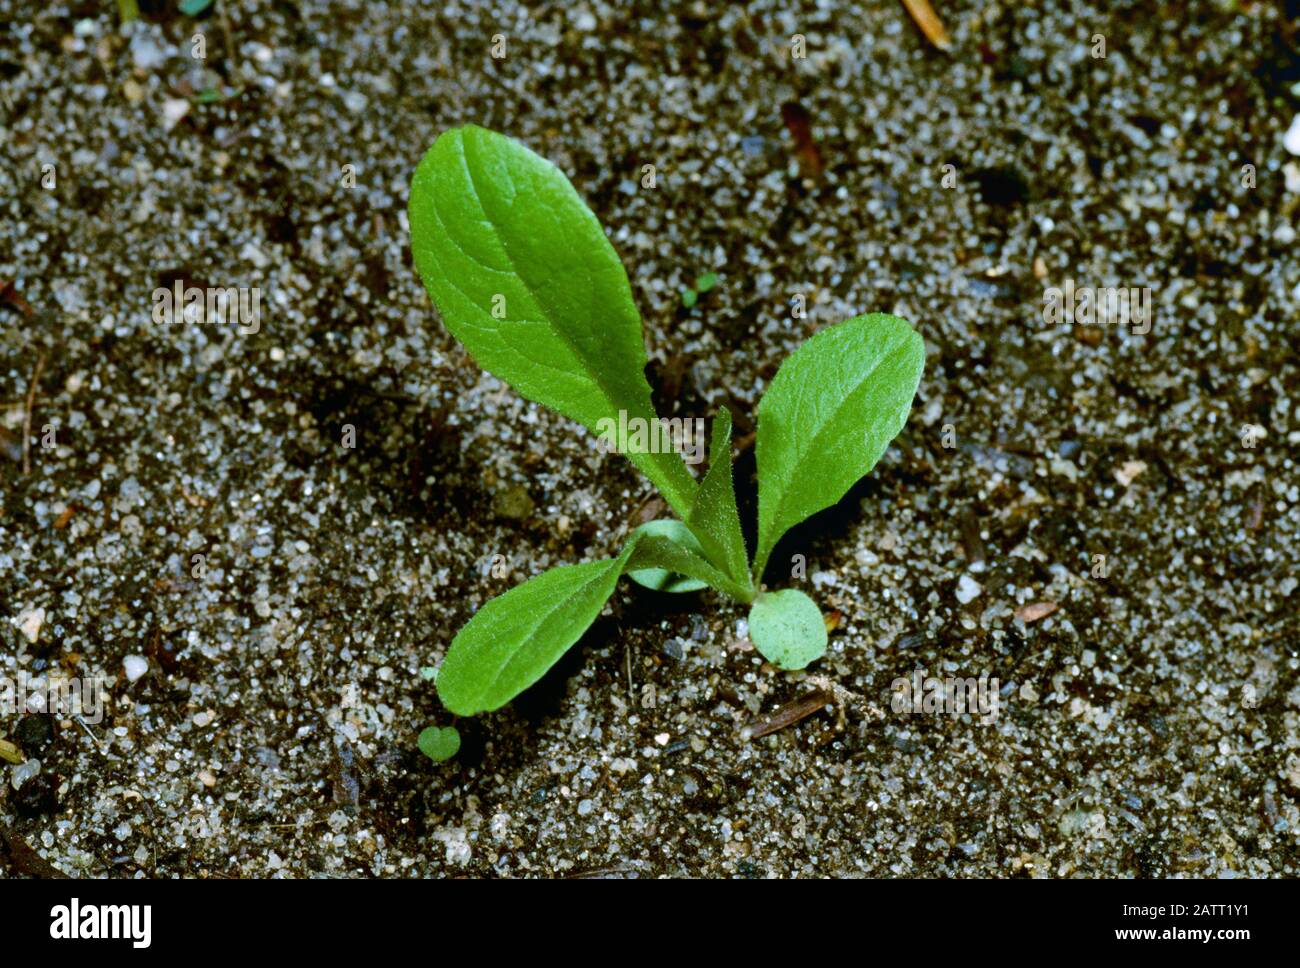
{"x": 542, "y": 619}
{"x": 461, "y": 144}
{"x": 494, "y": 329}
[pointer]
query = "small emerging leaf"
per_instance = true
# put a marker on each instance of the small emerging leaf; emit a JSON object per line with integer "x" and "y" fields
{"x": 832, "y": 409}
{"x": 439, "y": 744}
{"x": 661, "y": 579}
{"x": 714, "y": 519}
{"x": 524, "y": 277}
{"x": 659, "y": 552}
{"x": 787, "y": 628}
{"x": 513, "y": 639}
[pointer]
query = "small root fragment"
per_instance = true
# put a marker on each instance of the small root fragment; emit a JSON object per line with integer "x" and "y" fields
{"x": 826, "y": 693}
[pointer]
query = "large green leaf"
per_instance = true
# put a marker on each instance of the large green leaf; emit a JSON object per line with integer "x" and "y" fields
{"x": 830, "y": 412}
{"x": 524, "y": 277}
{"x": 513, "y": 639}
{"x": 714, "y": 519}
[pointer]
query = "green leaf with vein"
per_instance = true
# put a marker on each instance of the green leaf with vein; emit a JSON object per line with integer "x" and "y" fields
{"x": 787, "y": 628}
{"x": 714, "y": 519}
{"x": 524, "y": 277}
{"x": 513, "y": 639}
{"x": 439, "y": 744}
{"x": 828, "y": 416}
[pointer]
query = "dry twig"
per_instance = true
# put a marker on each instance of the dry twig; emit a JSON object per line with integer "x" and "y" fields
{"x": 929, "y": 22}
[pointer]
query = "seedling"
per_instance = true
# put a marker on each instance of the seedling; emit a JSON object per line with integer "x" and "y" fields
{"x": 702, "y": 285}
{"x": 439, "y": 744}
{"x": 523, "y": 275}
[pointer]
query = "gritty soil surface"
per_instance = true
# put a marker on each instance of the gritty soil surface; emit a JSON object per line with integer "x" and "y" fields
{"x": 266, "y": 697}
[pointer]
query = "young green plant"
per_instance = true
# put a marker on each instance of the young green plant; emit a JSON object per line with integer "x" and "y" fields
{"x": 523, "y": 275}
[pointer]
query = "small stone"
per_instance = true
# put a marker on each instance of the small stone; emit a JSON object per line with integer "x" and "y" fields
{"x": 135, "y": 667}
{"x": 23, "y": 772}
{"x": 174, "y": 111}
{"x": 1064, "y": 468}
{"x": 251, "y": 253}
{"x": 1074, "y": 823}
{"x": 968, "y": 589}
{"x": 514, "y": 503}
{"x": 30, "y": 623}
{"x": 584, "y": 808}
{"x": 1291, "y": 140}
{"x": 1069, "y": 449}
{"x": 1037, "y": 610}
{"x": 1291, "y": 171}
{"x": 1130, "y": 471}
{"x": 207, "y": 779}
{"x": 145, "y": 52}
{"x": 662, "y": 739}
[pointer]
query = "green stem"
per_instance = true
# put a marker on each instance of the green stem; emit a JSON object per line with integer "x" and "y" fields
{"x": 741, "y": 593}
